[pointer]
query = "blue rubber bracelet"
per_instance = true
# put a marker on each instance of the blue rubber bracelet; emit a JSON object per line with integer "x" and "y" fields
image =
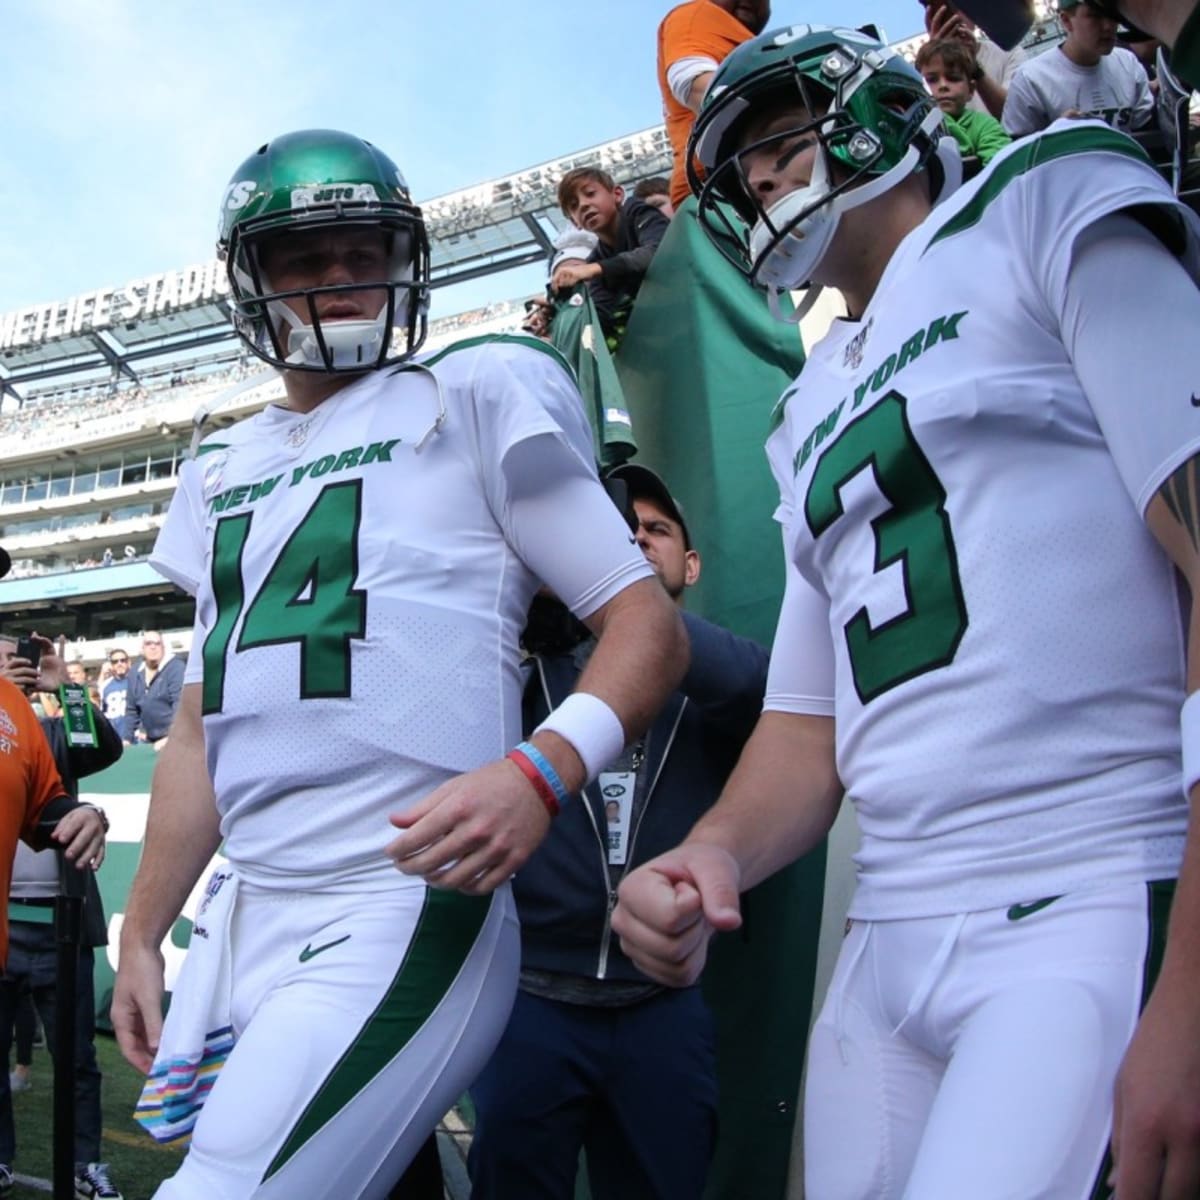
{"x": 549, "y": 774}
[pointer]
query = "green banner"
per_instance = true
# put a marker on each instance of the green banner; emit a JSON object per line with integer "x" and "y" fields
{"x": 577, "y": 336}
{"x": 702, "y": 365}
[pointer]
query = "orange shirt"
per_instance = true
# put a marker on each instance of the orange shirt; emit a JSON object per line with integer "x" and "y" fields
{"x": 697, "y": 29}
{"x": 28, "y": 782}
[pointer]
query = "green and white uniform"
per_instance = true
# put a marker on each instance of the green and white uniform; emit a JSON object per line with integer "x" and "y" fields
{"x": 974, "y": 597}
{"x": 1001, "y": 647}
{"x": 362, "y": 574}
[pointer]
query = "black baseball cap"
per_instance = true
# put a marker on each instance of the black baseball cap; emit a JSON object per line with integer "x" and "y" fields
{"x": 645, "y": 484}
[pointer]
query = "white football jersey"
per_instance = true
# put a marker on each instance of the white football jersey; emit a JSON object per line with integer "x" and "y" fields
{"x": 998, "y": 636}
{"x": 359, "y": 600}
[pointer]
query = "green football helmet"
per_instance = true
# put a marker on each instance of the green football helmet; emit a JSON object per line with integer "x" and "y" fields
{"x": 862, "y": 105}
{"x": 313, "y": 182}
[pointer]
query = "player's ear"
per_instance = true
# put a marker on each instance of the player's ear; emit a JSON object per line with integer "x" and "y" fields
{"x": 619, "y": 194}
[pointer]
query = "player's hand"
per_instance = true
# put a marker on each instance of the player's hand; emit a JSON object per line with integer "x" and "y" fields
{"x": 669, "y": 908}
{"x": 1074, "y": 114}
{"x": 1156, "y": 1110}
{"x": 80, "y": 833}
{"x": 136, "y": 1009}
{"x": 573, "y": 271}
{"x": 473, "y": 832}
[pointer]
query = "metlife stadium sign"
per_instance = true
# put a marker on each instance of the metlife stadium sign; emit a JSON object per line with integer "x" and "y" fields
{"x": 137, "y": 300}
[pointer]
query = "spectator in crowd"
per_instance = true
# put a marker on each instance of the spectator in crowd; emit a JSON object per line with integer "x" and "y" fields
{"x": 628, "y": 231}
{"x": 948, "y": 68}
{"x": 657, "y": 193}
{"x": 993, "y": 69}
{"x": 1086, "y": 75}
{"x": 402, "y": 580}
{"x": 1008, "y": 930}
{"x": 77, "y": 673}
{"x": 693, "y": 39}
{"x": 32, "y": 951}
{"x": 114, "y": 698}
{"x": 35, "y": 800}
{"x": 597, "y": 1055}
{"x": 1175, "y": 23}
{"x": 155, "y": 687}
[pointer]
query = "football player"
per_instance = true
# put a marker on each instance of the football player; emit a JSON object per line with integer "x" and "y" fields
{"x": 987, "y": 481}
{"x": 363, "y": 557}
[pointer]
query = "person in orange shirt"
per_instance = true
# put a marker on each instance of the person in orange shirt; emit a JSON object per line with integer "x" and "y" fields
{"x": 693, "y": 39}
{"x": 33, "y": 793}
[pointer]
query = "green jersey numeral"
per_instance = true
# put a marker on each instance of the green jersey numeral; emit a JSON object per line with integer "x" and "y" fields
{"x": 308, "y": 596}
{"x": 915, "y": 532}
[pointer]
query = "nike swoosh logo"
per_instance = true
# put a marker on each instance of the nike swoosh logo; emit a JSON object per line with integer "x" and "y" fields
{"x": 309, "y": 951}
{"x": 1019, "y": 911}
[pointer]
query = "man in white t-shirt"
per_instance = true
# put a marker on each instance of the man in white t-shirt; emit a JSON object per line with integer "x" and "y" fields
{"x": 1088, "y": 75}
{"x": 363, "y": 556}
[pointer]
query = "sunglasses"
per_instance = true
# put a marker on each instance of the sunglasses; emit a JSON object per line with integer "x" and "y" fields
{"x": 116, "y": 662}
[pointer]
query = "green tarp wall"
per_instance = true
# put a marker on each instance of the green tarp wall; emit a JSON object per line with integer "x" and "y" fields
{"x": 702, "y": 365}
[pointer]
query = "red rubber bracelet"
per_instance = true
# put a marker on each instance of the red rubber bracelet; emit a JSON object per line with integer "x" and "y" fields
{"x": 540, "y": 784}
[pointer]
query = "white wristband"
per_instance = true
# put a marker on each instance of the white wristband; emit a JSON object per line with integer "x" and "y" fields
{"x": 1189, "y": 727}
{"x": 592, "y": 728}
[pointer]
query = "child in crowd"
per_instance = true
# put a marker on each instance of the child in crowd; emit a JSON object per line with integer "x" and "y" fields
{"x": 629, "y": 231}
{"x": 1087, "y": 75}
{"x": 950, "y": 70}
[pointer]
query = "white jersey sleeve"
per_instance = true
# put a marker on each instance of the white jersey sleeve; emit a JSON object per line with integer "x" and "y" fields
{"x": 178, "y": 552}
{"x": 536, "y": 452}
{"x": 1123, "y": 343}
{"x": 801, "y": 675}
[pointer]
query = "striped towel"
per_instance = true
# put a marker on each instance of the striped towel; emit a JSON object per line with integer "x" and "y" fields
{"x": 198, "y": 1035}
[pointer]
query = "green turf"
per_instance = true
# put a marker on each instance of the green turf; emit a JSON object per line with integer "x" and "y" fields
{"x": 139, "y": 1164}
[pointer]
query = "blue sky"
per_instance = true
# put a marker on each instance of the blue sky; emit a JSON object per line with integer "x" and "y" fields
{"x": 125, "y": 118}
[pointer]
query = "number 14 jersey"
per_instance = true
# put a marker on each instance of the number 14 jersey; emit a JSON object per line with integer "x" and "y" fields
{"x": 973, "y": 594}
{"x": 359, "y": 599}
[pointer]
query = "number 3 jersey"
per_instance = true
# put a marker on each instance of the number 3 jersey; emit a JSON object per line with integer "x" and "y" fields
{"x": 359, "y": 599}
{"x": 973, "y": 594}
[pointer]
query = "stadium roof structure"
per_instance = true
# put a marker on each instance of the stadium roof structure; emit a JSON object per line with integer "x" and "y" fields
{"x": 120, "y": 331}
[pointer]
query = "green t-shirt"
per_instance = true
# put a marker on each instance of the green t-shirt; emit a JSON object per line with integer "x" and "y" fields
{"x": 978, "y": 133}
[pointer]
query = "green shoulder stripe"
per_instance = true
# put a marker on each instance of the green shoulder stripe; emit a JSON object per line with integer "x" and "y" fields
{"x": 208, "y": 447}
{"x": 777, "y": 413}
{"x": 1035, "y": 152}
{"x": 517, "y": 339}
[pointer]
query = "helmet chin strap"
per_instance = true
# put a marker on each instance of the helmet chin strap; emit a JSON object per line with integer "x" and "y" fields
{"x": 805, "y": 251}
{"x": 349, "y": 343}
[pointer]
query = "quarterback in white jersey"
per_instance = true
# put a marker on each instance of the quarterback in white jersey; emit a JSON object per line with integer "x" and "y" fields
{"x": 363, "y": 559}
{"x": 987, "y": 482}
